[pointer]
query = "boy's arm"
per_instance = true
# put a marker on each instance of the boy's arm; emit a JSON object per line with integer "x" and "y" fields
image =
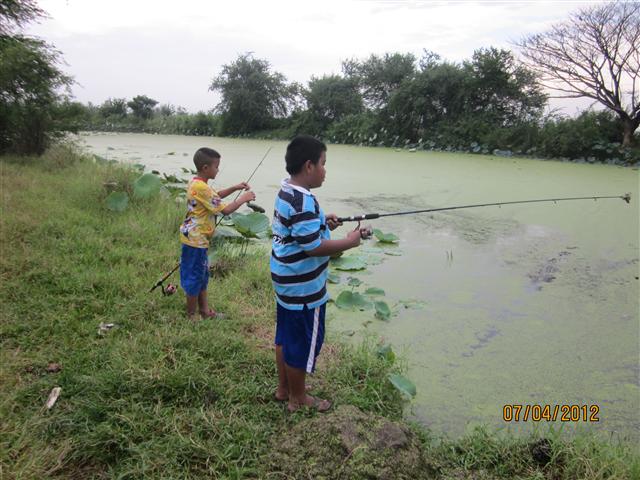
{"x": 225, "y": 192}
{"x": 331, "y": 247}
{"x": 236, "y": 204}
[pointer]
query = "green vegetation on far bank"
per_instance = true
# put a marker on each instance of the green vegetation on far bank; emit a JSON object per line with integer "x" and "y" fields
{"x": 158, "y": 397}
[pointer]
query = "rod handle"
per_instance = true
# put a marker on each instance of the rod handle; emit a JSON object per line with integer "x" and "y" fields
{"x": 359, "y": 218}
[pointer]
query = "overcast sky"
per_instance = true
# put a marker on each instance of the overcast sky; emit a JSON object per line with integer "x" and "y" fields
{"x": 170, "y": 50}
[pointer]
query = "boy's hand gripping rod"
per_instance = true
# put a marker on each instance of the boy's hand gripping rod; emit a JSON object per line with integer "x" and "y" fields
{"x": 372, "y": 216}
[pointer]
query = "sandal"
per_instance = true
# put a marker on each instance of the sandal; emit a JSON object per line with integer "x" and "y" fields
{"x": 318, "y": 404}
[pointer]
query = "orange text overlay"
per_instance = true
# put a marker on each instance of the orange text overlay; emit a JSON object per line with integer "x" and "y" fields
{"x": 550, "y": 413}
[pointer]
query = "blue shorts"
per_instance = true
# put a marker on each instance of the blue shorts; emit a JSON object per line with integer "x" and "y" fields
{"x": 194, "y": 270}
{"x": 301, "y": 334}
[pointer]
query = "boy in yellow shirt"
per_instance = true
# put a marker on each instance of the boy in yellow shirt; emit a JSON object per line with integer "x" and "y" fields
{"x": 203, "y": 204}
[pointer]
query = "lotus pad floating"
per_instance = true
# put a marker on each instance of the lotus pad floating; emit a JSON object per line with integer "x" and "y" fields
{"x": 349, "y": 263}
{"x": 385, "y": 237}
{"x": 383, "y": 312}
{"x": 403, "y": 384}
{"x": 354, "y": 282}
{"x": 333, "y": 278}
{"x": 252, "y": 224}
{"x": 117, "y": 201}
{"x": 374, "y": 291}
{"x": 146, "y": 186}
{"x": 350, "y": 301}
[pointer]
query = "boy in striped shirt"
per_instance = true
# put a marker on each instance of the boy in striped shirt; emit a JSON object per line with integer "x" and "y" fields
{"x": 299, "y": 265}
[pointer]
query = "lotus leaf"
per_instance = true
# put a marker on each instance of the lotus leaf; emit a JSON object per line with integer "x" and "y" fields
{"x": 385, "y": 237}
{"x": 252, "y": 224}
{"x": 146, "y": 186}
{"x": 350, "y": 301}
{"x": 265, "y": 234}
{"x": 374, "y": 291}
{"x": 386, "y": 352}
{"x": 349, "y": 263}
{"x": 354, "y": 282}
{"x": 383, "y": 312}
{"x": 117, "y": 201}
{"x": 334, "y": 278}
{"x": 226, "y": 233}
{"x": 403, "y": 384}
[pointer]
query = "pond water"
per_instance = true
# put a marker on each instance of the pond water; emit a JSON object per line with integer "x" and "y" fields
{"x": 519, "y": 305}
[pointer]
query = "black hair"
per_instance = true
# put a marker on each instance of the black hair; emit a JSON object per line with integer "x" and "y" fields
{"x": 301, "y": 149}
{"x": 204, "y": 156}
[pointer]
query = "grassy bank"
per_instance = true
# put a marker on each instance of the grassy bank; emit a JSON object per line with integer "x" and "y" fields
{"x": 159, "y": 397}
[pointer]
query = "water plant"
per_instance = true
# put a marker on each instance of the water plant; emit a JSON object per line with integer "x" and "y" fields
{"x": 334, "y": 278}
{"x": 403, "y": 384}
{"x": 349, "y": 300}
{"x": 251, "y": 225}
{"x": 385, "y": 237}
{"x": 349, "y": 263}
{"x": 117, "y": 201}
{"x": 383, "y": 312}
{"x": 146, "y": 186}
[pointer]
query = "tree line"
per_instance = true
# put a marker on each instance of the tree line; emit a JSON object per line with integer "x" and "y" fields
{"x": 489, "y": 103}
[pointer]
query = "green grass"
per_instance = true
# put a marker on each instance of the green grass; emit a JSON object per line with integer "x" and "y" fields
{"x": 157, "y": 396}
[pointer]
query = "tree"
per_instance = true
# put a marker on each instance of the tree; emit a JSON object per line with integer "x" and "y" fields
{"x": 31, "y": 83}
{"x": 419, "y": 104}
{"x": 595, "y": 54}
{"x": 166, "y": 110}
{"x": 142, "y": 106}
{"x": 330, "y": 98}
{"x": 16, "y": 14}
{"x": 503, "y": 91}
{"x": 378, "y": 77}
{"x": 114, "y": 107}
{"x": 29, "y": 89}
{"x": 252, "y": 95}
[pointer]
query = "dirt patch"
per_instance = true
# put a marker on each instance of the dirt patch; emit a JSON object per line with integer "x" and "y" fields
{"x": 348, "y": 444}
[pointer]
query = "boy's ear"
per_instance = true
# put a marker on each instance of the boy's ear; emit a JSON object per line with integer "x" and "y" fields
{"x": 307, "y": 165}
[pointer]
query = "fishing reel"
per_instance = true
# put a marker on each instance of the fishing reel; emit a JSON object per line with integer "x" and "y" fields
{"x": 169, "y": 289}
{"x": 365, "y": 232}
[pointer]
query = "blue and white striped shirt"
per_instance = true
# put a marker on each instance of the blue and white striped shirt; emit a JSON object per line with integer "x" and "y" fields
{"x": 299, "y": 225}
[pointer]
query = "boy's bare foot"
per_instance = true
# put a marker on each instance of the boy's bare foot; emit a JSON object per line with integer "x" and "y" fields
{"x": 311, "y": 402}
{"x": 211, "y": 314}
{"x": 283, "y": 395}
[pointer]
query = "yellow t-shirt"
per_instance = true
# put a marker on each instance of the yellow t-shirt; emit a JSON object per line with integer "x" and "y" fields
{"x": 203, "y": 204}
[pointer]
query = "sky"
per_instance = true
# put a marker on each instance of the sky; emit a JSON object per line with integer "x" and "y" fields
{"x": 170, "y": 51}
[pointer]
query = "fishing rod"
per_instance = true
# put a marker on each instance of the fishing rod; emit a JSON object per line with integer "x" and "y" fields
{"x": 371, "y": 216}
{"x": 251, "y": 206}
{"x": 171, "y": 289}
